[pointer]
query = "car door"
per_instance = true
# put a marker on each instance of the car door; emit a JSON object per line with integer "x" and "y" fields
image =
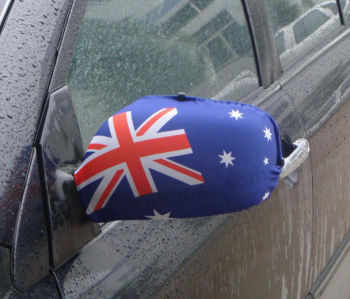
{"x": 280, "y": 249}
{"x": 218, "y": 49}
{"x": 122, "y": 243}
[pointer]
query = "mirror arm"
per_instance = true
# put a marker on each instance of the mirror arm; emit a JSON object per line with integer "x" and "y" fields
{"x": 296, "y": 158}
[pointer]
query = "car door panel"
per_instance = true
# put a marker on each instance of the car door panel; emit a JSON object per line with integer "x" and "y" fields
{"x": 316, "y": 228}
{"x": 308, "y": 92}
{"x": 331, "y": 188}
{"x": 263, "y": 252}
{"x": 335, "y": 278}
{"x": 131, "y": 259}
{"x": 132, "y": 263}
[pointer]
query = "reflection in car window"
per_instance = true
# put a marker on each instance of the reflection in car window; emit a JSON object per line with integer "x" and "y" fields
{"x": 298, "y": 25}
{"x": 128, "y": 49}
{"x": 345, "y": 6}
{"x": 280, "y": 42}
{"x": 308, "y": 24}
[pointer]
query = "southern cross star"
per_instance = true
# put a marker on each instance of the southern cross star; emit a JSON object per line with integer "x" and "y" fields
{"x": 266, "y": 161}
{"x": 158, "y": 216}
{"x": 267, "y": 134}
{"x": 227, "y": 159}
{"x": 266, "y": 196}
{"x": 236, "y": 114}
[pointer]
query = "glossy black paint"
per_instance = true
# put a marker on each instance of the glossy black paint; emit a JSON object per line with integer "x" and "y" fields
{"x": 61, "y": 151}
{"x": 28, "y": 45}
{"x": 128, "y": 266}
{"x": 30, "y": 251}
{"x": 134, "y": 259}
{"x": 24, "y": 77}
{"x": 45, "y": 288}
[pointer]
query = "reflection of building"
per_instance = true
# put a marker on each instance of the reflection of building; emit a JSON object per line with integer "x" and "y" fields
{"x": 212, "y": 31}
{"x": 218, "y": 26}
{"x": 302, "y": 2}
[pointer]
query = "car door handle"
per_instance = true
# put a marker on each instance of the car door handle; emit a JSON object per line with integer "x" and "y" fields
{"x": 296, "y": 158}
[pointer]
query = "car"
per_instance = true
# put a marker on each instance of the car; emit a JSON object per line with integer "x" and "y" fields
{"x": 308, "y": 29}
{"x": 67, "y": 66}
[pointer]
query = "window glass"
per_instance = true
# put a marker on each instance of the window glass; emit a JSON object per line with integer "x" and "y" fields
{"x": 128, "y": 49}
{"x": 308, "y": 24}
{"x": 300, "y": 24}
{"x": 345, "y": 5}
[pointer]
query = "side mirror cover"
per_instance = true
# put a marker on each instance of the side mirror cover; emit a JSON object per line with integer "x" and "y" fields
{"x": 177, "y": 157}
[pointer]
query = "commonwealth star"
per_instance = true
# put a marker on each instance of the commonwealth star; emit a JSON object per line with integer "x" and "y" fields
{"x": 236, "y": 114}
{"x": 227, "y": 159}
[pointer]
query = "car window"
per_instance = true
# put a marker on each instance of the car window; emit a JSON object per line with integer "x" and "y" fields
{"x": 299, "y": 25}
{"x": 129, "y": 49}
{"x": 280, "y": 42}
{"x": 345, "y": 6}
{"x": 308, "y": 24}
{"x": 332, "y": 6}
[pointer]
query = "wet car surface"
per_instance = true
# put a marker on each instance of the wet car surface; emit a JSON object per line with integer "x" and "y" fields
{"x": 52, "y": 82}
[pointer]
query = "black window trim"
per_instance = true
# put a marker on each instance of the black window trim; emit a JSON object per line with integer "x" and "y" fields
{"x": 264, "y": 44}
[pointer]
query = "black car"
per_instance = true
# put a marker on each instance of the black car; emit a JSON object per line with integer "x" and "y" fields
{"x": 67, "y": 65}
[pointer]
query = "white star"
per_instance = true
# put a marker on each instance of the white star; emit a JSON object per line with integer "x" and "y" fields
{"x": 236, "y": 114}
{"x": 266, "y": 161}
{"x": 227, "y": 159}
{"x": 267, "y": 134}
{"x": 266, "y": 196}
{"x": 159, "y": 216}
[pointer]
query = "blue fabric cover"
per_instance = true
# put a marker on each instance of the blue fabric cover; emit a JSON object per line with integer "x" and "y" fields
{"x": 177, "y": 157}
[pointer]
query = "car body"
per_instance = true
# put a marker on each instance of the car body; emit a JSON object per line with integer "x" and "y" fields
{"x": 51, "y": 105}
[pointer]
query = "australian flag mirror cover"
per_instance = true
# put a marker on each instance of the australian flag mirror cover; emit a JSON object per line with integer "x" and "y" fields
{"x": 168, "y": 157}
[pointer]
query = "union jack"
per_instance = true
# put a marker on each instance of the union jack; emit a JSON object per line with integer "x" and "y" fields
{"x": 132, "y": 153}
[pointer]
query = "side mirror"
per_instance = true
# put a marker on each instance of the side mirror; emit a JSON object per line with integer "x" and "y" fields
{"x": 177, "y": 157}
